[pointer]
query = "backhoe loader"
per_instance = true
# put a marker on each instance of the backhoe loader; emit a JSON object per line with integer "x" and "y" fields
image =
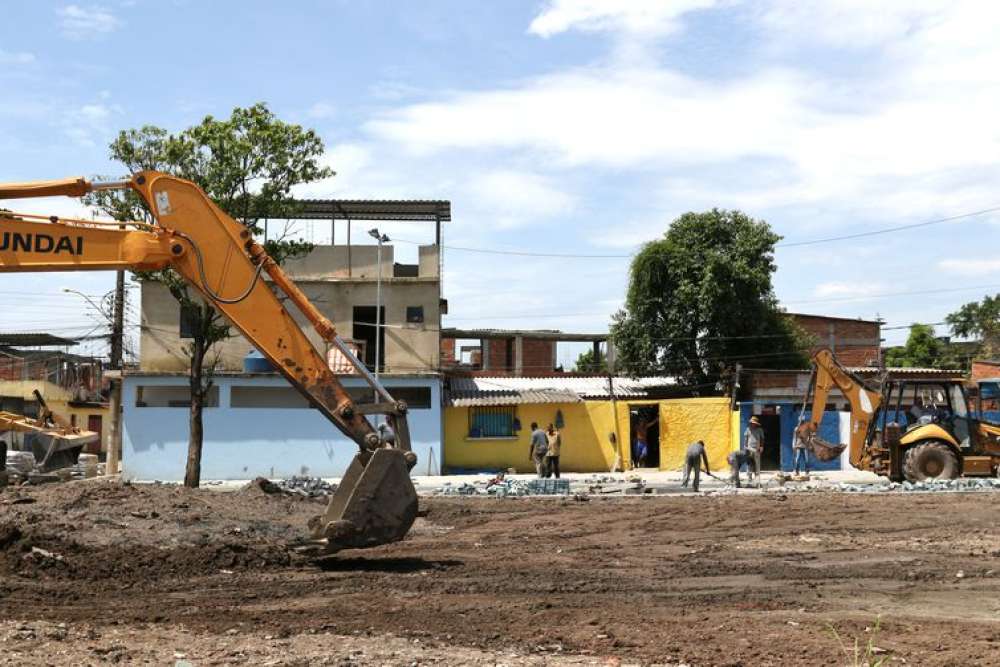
{"x": 375, "y": 502}
{"x": 912, "y": 429}
{"x": 54, "y": 442}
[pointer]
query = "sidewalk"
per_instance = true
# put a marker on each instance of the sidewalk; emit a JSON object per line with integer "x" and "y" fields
{"x": 659, "y": 481}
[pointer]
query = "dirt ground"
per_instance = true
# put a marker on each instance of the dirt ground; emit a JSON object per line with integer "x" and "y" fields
{"x": 92, "y": 573}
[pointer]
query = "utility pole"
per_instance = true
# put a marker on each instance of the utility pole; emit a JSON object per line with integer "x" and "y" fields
{"x": 117, "y": 349}
{"x": 381, "y": 238}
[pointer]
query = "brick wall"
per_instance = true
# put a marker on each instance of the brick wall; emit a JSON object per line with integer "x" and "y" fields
{"x": 447, "y": 351}
{"x": 538, "y": 356}
{"x": 854, "y": 342}
{"x": 982, "y": 370}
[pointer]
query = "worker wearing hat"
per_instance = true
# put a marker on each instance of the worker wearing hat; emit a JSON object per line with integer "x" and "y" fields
{"x": 753, "y": 442}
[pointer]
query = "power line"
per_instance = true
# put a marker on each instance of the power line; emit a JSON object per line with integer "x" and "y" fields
{"x": 888, "y": 230}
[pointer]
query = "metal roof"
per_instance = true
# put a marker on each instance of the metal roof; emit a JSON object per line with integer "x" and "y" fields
{"x": 513, "y": 397}
{"x": 19, "y": 339}
{"x": 400, "y": 210}
{"x": 514, "y": 390}
{"x": 537, "y": 334}
{"x": 894, "y": 371}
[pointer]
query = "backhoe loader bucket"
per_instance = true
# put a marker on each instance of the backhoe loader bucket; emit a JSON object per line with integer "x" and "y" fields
{"x": 54, "y": 450}
{"x": 823, "y": 450}
{"x": 374, "y": 504}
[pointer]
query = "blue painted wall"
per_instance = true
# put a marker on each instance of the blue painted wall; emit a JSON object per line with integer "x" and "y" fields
{"x": 829, "y": 430}
{"x": 242, "y": 443}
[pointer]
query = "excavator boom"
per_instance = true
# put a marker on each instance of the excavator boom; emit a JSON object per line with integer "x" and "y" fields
{"x": 218, "y": 257}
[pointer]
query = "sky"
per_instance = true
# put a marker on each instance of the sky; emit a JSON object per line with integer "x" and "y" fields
{"x": 578, "y": 127}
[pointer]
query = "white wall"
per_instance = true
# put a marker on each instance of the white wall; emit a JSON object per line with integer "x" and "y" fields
{"x": 242, "y": 443}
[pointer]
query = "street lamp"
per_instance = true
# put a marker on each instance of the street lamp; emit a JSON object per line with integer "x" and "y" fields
{"x": 381, "y": 238}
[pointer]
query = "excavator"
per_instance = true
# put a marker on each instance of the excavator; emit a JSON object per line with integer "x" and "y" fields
{"x": 53, "y": 440}
{"x": 375, "y": 502}
{"x": 905, "y": 428}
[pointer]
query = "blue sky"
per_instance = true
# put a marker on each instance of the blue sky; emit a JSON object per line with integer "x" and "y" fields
{"x": 566, "y": 126}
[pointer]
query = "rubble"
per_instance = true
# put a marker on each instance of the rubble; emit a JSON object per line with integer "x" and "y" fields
{"x": 310, "y": 487}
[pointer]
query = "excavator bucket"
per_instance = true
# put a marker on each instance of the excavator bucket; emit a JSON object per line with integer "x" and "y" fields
{"x": 374, "y": 504}
{"x": 54, "y": 450}
{"x": 823, "y": 450}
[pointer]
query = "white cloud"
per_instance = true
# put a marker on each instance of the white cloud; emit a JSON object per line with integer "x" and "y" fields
{"x": 970, "y": 267}
{"x": 16, "y": 57}
{"x": 515, "y": 198}
{"x": 634, "y": 16}
{"x": 92, "y": 21}
{"x": 90, "y": 123}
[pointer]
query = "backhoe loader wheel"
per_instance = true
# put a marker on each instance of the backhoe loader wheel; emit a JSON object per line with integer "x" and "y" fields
{"x": 930, "y": 461}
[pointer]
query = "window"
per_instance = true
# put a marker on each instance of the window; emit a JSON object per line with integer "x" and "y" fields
{"x": 266, "y": 397}
{"x": 414, "y": 314}
{"x": 160, "y": 396}
{"x": 189, "y": 316}
{"x": 417, "y": 398}
{"x": 493, "y": 422}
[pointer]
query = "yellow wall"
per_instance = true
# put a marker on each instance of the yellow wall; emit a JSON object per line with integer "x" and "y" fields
{"x": 682, "y": 421}
{"x": 587, "y": 443}
{"x": 586, "y": 446}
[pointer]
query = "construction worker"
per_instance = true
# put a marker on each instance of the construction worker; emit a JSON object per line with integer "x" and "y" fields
{"x": 801, "y": 455}
{"x": 753, "y": 442}
{"x": 693, "y": 459}
{"x": 538, "y": 449}
{"x": 736, "y": 461}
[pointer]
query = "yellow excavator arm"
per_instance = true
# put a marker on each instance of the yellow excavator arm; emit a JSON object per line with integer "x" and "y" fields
{"x": 218, "y": 257}
{"x": 827, "y": 375}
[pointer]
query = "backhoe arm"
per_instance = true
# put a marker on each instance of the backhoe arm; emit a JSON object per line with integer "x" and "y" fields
{"x": 827, "y": 374}
{"x": 219, "y": 258}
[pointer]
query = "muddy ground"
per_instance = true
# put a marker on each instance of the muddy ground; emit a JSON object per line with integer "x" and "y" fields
{"x": 92, "y": 573}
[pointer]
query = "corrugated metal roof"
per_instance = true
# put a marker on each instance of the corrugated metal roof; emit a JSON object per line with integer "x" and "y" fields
{"x": 400, "y": 210}
{"x": 538, "y": 388}
{"x": 513, "y": 397}
{"x": 938, "y": 372}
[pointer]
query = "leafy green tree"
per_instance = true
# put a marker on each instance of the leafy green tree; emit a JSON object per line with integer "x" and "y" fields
{"x": 979, "y": 319}
{"x": 585, "y": 363}
{"x": 922, "y": 349}
{"x": 247, "y": 164}
{"x": 700, "y": 300}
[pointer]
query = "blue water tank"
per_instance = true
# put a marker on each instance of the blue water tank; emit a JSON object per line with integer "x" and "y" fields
{"x": 256, "y": 363}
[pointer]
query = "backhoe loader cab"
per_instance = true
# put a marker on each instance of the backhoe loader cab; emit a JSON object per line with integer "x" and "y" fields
{"x": 909, "y": 428}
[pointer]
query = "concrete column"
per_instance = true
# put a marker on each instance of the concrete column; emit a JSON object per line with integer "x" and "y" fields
{"x": 519, "y": 356}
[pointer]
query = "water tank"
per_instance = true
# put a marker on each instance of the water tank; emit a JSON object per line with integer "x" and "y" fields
{"x": 256, "y": 363}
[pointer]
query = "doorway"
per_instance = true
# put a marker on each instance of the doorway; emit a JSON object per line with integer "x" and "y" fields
{"x": 645, "y": 418}
{"x": 771, "y": 459}
{"x": 365, "y": 332}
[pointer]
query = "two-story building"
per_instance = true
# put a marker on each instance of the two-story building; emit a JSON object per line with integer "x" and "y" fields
{"x": 255, "y": 422}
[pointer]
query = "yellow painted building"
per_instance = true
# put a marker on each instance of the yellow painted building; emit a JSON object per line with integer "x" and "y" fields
{"x": 484, "y": 433}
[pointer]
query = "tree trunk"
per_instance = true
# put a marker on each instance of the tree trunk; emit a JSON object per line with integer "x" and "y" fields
{"x": 192, "y": 474}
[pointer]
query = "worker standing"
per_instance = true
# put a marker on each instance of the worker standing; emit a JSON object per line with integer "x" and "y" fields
{"x": 538, "y": 449}
{"x": 753, "y": 442}
{"x": 554, "y": 438}
{"x": 695, "y": 456}
{"x": 799, "y": 451}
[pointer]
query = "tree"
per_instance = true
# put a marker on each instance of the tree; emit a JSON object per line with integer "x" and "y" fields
{"x": 247, "y": 164}
{"x": 585, "y": 363}
{"x": 700, "y": 300}
{"x": 979, "y": 319}
{"x": 922, "y": 349}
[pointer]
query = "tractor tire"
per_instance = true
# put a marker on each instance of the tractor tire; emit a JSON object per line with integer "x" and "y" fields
{"x": 930, "y": 461}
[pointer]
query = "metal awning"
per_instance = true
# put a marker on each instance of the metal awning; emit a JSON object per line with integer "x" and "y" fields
{"x": 19, "y": 339}
{"x": 401, "y": 210}
{"x": 512, "y": 397}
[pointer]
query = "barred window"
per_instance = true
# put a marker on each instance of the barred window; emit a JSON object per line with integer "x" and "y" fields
{"x": 493, "y": 422}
